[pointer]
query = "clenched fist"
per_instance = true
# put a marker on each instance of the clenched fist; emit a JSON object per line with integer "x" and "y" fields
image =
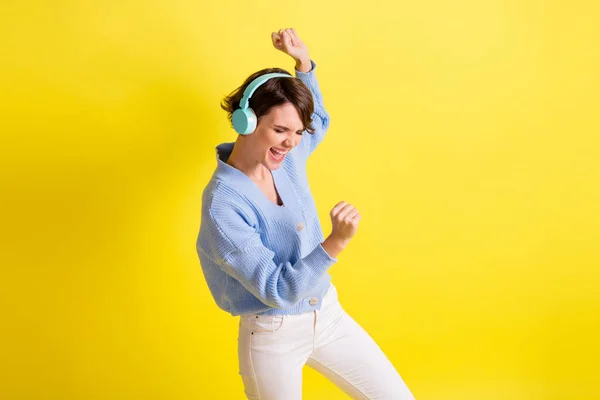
{"x": 287, "y": 41}
{"x": 344, "y": 221}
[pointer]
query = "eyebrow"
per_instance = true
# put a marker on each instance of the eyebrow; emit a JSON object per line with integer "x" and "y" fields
{"x": 285, "y": 128}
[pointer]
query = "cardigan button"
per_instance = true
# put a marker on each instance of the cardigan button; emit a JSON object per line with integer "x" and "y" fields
{"x": 313, "y": 301}
{"x": 300, "y": 226}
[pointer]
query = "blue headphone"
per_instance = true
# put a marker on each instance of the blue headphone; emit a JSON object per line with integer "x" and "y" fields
{"x": 244, "y": 119}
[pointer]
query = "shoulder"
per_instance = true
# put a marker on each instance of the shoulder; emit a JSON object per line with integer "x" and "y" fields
{"x": 297, "y": 157}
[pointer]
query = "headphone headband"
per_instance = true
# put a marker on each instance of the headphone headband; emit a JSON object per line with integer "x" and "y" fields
{"x": 256, "y": 83}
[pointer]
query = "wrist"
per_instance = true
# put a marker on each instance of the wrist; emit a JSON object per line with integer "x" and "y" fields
{"x": 303, "y": 64}
{"x": 334, "y": 245}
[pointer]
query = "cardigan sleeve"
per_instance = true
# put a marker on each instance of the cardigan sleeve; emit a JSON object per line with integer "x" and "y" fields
{"x": 320, "y": 115}
{"x": 236, "y": 246}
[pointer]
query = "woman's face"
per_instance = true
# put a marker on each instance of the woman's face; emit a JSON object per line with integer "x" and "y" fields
{"x": 276, "y": 134}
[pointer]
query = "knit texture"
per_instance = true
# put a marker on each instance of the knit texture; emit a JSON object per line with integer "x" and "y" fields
{"x": 258, "y": 257}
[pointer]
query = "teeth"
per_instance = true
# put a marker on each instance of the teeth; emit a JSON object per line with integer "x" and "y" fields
{"x": 279, "y": 152}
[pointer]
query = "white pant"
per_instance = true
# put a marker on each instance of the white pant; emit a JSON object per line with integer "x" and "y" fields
{"x": 273, "y": 349}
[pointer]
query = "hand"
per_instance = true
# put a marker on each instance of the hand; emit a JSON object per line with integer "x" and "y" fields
{"x": 287, "y": 41}
{"x": 344, "y": 220}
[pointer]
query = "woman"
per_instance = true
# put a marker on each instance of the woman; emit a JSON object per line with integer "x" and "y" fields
{"x": 262, "y": 250}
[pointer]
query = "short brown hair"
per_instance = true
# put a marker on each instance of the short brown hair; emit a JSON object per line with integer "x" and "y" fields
{"x": 274, "y": 92}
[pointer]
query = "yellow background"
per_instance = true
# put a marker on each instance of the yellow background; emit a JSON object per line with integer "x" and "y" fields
{"x": 466, "y": 133}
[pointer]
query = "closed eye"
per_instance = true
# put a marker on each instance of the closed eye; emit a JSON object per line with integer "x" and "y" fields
{"x": 282, "y": 129}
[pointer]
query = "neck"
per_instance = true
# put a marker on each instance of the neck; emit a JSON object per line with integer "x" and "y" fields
{"x": 239, "y": 159}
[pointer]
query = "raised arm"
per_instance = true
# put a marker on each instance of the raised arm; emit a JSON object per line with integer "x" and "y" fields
{"x": 320, "y": 116}
{"x": 288, "y": 42}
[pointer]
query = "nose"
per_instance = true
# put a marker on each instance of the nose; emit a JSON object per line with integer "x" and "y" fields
{"x": 291, "y": 141}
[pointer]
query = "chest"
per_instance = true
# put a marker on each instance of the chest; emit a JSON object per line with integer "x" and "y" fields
{"x": 270, "y": 191}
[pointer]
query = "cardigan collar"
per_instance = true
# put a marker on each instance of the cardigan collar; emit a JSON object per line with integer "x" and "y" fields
{"x": 240, "y": 181}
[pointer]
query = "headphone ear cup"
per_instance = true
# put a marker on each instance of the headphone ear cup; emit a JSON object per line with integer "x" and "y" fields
{"x": 244, "y": 121}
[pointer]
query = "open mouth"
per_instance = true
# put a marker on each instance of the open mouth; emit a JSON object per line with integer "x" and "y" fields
{"x": 277, "y": 154}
